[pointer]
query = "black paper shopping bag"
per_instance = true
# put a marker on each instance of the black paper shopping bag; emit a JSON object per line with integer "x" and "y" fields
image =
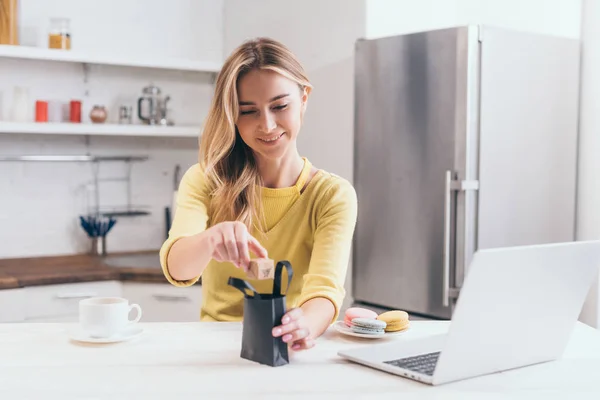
{"x": 262, "y": 312}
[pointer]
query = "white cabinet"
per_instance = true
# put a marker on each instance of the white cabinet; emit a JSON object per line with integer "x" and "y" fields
{"x": 50, "y": 303}
{"x": 63, "y": 318}
{"x": 11, "y": 305}
{"x": 162, "y": 302}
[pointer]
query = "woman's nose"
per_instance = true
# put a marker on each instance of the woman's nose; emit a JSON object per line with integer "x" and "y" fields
{"x": 267, "y": 122}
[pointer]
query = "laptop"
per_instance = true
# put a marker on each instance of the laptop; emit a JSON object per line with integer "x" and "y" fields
{"x": 517, "y": 307}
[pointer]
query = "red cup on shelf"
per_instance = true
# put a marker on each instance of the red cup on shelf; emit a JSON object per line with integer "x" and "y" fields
{"x": 75, "y": 111}
{"x": 41, "y": 111}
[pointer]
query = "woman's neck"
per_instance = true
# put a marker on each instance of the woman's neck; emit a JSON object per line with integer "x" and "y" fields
{"x": 280, "y": 173}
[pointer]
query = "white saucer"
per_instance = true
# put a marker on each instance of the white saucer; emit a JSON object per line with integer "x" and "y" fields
{"x": 129, "y": 333}
{"x": 341, "y": 327}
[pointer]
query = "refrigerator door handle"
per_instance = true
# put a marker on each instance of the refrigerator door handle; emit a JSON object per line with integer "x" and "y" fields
{"x": 450, "y": 186}
{"x": 446, "y": 252}
{"x": 464, "y": 185}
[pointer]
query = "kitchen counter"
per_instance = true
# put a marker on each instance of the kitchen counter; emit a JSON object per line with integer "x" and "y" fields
{"x": 201, "y": 361}
{"x": 22, "y": 272}
{"x": 8, "y": 281}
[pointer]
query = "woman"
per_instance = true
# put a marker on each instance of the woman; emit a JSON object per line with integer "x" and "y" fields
{"x": 253, "y": 192}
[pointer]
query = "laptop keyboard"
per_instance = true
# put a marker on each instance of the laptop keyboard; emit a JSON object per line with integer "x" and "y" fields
{"x": 423, "y": 363}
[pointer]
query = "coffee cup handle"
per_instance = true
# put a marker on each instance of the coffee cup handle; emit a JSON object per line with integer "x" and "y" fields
{"x": 139, "y": 313}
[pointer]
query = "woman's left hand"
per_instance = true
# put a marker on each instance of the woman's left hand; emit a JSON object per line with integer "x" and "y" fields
{"x": 294, "y": 330}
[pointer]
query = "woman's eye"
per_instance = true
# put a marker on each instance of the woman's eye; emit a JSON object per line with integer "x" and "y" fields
{"x": 276, "y": 108}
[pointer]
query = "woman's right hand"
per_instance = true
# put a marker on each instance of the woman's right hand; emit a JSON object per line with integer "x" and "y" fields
{"x": 232, "y": 242}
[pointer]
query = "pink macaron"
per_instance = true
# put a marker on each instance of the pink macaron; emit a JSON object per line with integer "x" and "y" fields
{"x": 358, "y": 312}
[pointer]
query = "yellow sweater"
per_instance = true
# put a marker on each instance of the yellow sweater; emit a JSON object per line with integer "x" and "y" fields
{"x": 312, "y": 230}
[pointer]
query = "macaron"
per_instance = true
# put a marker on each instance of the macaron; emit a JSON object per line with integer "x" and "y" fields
{"x": 395, "y": 320}
{"x": 368, "y": 326}
{"x": 358, "y": 312}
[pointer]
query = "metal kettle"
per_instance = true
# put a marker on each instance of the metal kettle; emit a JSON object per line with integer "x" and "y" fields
{"x": 157, "y": 106}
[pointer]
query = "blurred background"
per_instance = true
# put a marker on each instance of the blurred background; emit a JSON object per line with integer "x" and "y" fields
{"x": 102, "y": 104}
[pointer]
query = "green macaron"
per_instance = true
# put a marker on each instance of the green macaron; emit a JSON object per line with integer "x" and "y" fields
{"x": 368, "y": 326}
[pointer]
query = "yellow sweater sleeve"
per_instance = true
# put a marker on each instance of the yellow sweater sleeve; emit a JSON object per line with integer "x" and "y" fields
{"x": 191, "y": 216}
{"x": 335, "y": 222}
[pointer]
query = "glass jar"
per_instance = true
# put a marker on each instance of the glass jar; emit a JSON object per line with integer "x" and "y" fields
{"x": 9, "y": 22}
{"x": 21, "y": 105}
{"x": 98, "y": 114}
{"x": 59, "y": 36}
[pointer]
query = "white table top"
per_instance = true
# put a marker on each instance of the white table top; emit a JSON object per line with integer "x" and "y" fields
{"x": 201, "y": 361}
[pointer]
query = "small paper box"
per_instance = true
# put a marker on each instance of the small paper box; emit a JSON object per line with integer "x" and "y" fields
{"x": 262, "y": 312}
{"x": 261, "y": 268}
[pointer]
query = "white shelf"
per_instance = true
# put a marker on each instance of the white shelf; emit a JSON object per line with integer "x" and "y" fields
{"x": 49, "y": 128}
{"x": 73, "y": 56}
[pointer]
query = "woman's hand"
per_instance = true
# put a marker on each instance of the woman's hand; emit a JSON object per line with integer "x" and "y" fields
{"x": 294, "y": 330}
{"x": 232, "y": 242}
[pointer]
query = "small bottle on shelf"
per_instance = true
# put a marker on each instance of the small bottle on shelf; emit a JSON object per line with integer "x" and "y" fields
{"x": 59, "y": 36}
{"x": 98, "y": 114}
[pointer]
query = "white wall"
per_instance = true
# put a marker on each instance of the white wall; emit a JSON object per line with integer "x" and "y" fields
{"x": 588, "y": 221}
{"x": 189, "y": 29}
{"x": 322, "y": 35}
{"x": 40, "y": 202}
{"x": 554, "y": 17}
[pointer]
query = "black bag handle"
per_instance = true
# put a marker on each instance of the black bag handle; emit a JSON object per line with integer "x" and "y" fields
{"x": 277, "y": 279}
{"x": 242, "y": 286}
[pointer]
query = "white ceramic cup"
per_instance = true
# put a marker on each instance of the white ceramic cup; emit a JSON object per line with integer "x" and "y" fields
{"x": 104, "y": 317}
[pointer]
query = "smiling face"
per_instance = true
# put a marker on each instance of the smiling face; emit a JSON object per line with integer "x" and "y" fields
{"x": 271, "y": 110}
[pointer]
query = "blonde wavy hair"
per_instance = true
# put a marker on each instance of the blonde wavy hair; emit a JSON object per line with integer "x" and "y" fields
{"x": 229, "y": 164}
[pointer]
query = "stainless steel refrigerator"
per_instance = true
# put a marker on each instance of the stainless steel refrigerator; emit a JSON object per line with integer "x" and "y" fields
{"x": 465, "y": 139}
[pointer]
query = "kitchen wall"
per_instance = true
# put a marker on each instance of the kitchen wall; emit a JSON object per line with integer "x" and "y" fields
{"x": 555, "y": 17}
{"x": 322, "y": 35}
{"x": 40, "y": 202}
{"x": 588, "y": 221}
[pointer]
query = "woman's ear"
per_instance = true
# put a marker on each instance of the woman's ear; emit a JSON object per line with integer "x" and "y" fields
{"x": 304, "y": 98}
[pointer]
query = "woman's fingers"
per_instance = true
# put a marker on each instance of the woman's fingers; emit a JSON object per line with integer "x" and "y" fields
{"x": 293, "y": 330}
{"x": 241, "y": 238}
{"x": 303, "y": 344}
{"x": 292, "y": 315}
{"x": 233, "y": 243}
{"x": 230, "y": 242}
{"x": 295, "y": 335}
{"x": 286, "y": 329}
{"x": 256, "y": 247}
{"x": 220, "y": 254}
{"x": 290, "y": 322}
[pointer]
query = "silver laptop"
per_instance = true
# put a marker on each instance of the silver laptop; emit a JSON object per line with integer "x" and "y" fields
{"x": 517, "y": 307}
